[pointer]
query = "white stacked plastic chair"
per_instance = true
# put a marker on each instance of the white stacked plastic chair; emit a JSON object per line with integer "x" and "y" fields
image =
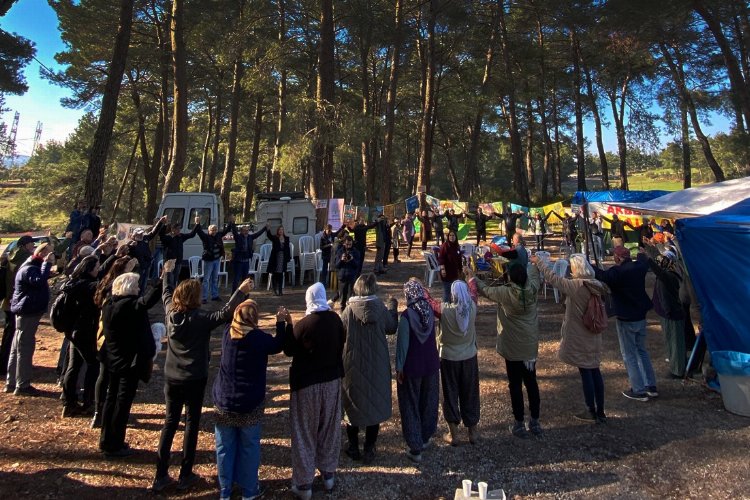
{"x": 159, "y": 266}
{"x": 432, "y": 269}
{"x": 306, "y": 257}
{"x": 318, "y": 264}
{"x": 468, "y": 250}
{"x": 559, "y": 268}
{"x": 545, "y": 256}
{"x": 318, "y": 237}
{"x": 263, "y": 257}
{"x": 223, "y": 273}
{"x": 195, "y": 264}
{"x": 255, "y": 269}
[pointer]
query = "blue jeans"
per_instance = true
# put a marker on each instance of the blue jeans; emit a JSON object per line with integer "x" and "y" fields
{"x": 632, "y": 336}
{"x": 241, "y": 269}
{"x": 211, "y": 278}
{"x": 238, "y": 458}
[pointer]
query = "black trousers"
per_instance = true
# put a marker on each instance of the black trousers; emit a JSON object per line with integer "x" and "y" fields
{"x": 481, "y": 235}
{"x": 460, "y": 381}
{"x": 77, "y": 356}
{"x": 179, "y": 394}
{"x": 100, "y": 389}
{"x": 371, "y": 435}
{"x": 120, "y": 394}
{"x": 539, "y": 241}
{"x": 518, "y": 374}
{"x": 8, "y": 333}
{"x": 345, "y": 290}
{"x": 278, "y": 283}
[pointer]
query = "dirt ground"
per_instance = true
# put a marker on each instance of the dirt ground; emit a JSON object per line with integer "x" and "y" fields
{"x": 681, "y": 445}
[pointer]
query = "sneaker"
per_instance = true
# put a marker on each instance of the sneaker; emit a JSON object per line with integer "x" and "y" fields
{"x": 328, "y": 481}
{"x": 414, "y": 456}
{"x": 27, "y": 391}
{"x": 187, "y": 481}
{"x": 8, "y": 389}
{"x": 518, "y": 429}
{"x": 652, "y": 392}
{"x": 72, "y": 410}
{"x": 302, "y": 492}
{"x": 426, "y": 444}
{"x": 160, "y": 483}
{"x": 638, "y": 396}
{"x": 260, "y": 493}
{"x": 535, "y": 427}
{"x": 586, "y": 416}
{"x": 601, "y": 419}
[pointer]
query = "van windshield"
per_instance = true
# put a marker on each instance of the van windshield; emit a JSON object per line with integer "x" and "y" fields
{"x": 205, "y": 214}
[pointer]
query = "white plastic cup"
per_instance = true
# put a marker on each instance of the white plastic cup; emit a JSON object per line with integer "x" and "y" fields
{"x": 467, "y": 488}
{"x": 482, "y": 486}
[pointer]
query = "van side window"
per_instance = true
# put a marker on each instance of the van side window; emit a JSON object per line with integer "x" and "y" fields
{"x": 205, "y": 214}
{"x": 299, "y": 225}
{"x": 174, "y": 215}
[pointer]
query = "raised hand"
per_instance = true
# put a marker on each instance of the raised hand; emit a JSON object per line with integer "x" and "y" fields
{"x": 247, "y": 285}
{"x": 169, "y": 266}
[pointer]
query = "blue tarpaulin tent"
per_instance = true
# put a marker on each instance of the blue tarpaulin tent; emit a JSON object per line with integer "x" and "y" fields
{"x": 616, "y": 195}
{"x": 715, "y": 248}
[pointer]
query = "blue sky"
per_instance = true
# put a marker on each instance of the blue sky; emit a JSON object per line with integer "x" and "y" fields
{"x": 35, "y": 20}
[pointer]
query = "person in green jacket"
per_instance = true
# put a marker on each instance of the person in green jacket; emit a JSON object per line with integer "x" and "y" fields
{"x": 518, "y": 340}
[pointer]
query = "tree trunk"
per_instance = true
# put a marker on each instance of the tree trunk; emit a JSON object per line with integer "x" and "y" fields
{"x": 530, "y": 145}
{"x": 321, "y": 168}
{"x": 215, "y": 153}
{"x": 575, "y": 50}
{"x": 520, "y": 186}
{"x": 390, "y": 106}
{"x": 180, "y": 117}
{"x": 685, "y": 145}
{"x": 124, "y": 181}
{"x": 275, "y": 177}
{"x": 541, "y": 102}
{"x": 234, "y": 118}
{"x": 252, "y": 173}
{"x": 471, "y": 176}
{"x": 94, "y": 189}
{"x": 598, "y": 129}
{"x": 448, "y": 147}
{"x": 162, "y": 132}
{"x": 618, "y": 113}
{"x": 368, "y": 163}
{"x": 736, "y": 80}
{"x": 676, "y": 68}
{"x": 206, "y": 146}
{"x": 425, "y": 127}
{"x": 131, "y": 201}
{"x": 557, "y": 168}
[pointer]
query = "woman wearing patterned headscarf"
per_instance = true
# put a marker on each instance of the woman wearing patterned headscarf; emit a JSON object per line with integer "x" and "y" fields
{"x": 518, "y": 340}
{"x": 316, "y": 348}
{"x": 417, "y": 365}
{"x": 239, "y": 393}
{"x": 459, "y": 370}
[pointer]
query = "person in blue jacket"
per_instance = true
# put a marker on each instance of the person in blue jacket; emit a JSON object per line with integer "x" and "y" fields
{"x": 239, "y": 394}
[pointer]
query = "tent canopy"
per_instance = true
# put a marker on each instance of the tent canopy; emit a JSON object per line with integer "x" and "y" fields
{"x": 693, "y": 202}
{"x": 615, "y": 195}
{"x": 714, "y": 248}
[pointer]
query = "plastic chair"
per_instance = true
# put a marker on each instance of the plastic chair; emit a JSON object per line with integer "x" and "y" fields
{"x": 559, "y": 268}
{"x": 263, "y": 257}
{"x": 318, "y": 264}
{"x": 255, "y": 269}
{"x": 306, "y": 257}
{"x": 468, "y": 249}
{"x": 159, "y": 266}
{"x": 195, "y": 264}
{"x": 318, "y": 237}
{"x": 432, "y": 269}
{"x": 223, "y": 271}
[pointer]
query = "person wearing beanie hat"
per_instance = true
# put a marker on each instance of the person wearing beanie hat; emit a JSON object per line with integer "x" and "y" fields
{"x": 668, "y": 306}
{"x": 627, "y": 281}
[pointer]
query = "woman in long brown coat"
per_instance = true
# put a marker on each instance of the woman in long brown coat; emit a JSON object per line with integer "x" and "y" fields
{"x": 579, "y": 347}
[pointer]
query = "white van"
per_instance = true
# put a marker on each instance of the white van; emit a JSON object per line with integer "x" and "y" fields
{"x": 183, "y": 207}
{"x": 292, "y": 210}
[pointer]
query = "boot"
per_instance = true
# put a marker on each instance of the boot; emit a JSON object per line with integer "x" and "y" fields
{"x": 474, "y": 436}
{"x": 96, "y": 422}
{"x": 451, "y": 437}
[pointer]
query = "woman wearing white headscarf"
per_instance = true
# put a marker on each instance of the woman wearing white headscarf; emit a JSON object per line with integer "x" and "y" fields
{"x": 417, "y": 366}
{"x": 315, "y": 375}
{"x": 459, "y": 369}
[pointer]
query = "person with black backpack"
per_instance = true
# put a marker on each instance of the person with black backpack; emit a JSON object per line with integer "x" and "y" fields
{"x": 82, "y": 336}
